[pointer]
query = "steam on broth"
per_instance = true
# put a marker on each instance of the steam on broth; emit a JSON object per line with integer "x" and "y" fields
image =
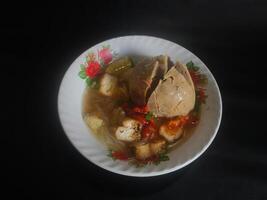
{"x": 144, "y": 109}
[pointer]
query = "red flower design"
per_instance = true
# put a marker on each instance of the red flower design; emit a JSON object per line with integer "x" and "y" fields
{"x": 92, "y": 69}
{"x": 105, "y": 55}
{"x": 201, "y": 95}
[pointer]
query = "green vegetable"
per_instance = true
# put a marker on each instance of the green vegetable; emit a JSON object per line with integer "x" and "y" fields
{"x": 149, "y": 116}
{"x": 118, "y": 66}
{"x": 163, "y": 157}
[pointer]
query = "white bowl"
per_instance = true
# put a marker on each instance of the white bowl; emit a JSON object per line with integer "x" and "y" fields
{"x": 70, "y": 108}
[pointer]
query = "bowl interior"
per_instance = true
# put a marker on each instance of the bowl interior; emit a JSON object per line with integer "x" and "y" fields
{"x": 70, "y": 105}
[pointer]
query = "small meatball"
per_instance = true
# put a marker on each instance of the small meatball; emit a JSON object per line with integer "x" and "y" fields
{"x": 126, "y": 134}
{"x": 108, "y": 84}
{"x": 94, "y": 122}
{"x": 132, "y": 123}
{"x": 143, "y": 151}
{"x": 157, "y": 146}
{"x": 170, "y": 135}
{"x": 130, "y": 131}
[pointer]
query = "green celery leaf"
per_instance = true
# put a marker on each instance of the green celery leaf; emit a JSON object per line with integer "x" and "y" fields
{"x": 149, "y": 116}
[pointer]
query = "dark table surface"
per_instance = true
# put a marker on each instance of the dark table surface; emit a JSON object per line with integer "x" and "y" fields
{"x": 229, "y": 36}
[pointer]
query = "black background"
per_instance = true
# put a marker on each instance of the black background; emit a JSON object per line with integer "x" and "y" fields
{"x": 41, "y": 41}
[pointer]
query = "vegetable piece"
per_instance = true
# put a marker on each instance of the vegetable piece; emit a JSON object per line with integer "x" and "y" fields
{"x": 118, "y": 66}
{"x": 149, "y": 116}
{"x": 163, "y": 157}
{"x": 137, "y": 112}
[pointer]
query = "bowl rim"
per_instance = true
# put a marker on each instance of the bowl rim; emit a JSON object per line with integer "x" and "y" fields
{"x": 151, "y": 174}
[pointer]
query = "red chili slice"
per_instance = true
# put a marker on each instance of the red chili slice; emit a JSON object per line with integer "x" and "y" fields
{"x": 119, "y": 155}
{"x": 149, "y": 131}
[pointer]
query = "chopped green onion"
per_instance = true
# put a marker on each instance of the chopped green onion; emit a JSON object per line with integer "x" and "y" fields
{"x": 149, "y": 116}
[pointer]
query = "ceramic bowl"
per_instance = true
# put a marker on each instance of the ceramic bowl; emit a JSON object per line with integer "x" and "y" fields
{"x": 70, "y": 107}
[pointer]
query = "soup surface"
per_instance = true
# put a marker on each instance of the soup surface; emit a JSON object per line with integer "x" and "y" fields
{"x": 143, "y": 110}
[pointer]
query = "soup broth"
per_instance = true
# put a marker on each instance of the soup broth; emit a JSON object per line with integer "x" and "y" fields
{"x": 118, "y": 113}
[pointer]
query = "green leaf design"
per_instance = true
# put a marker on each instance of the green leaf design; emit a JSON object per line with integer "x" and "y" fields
{"x": 106, "y": 46}
{"x": 190, "y": 64}
{"x": 82, "y": 74}
{"x": 82, "y": 66}
{"x": 89, "y": 81}
{"x": 163, "y": 157}
{"x": 111, "y": 155}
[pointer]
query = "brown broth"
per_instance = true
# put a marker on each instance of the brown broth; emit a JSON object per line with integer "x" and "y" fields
{"x": 95, "y": 104}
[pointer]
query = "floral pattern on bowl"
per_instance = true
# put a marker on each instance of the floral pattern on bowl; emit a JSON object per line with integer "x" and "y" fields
{"x": 95, "y": 61}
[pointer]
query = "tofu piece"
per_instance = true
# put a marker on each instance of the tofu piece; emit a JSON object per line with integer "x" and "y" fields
{"x": 170, "y": 135}
{"x": 157, "y": 146}
{"x": 94, "y": 122}
{"x": 143, "y": 151}
{"x": 108, "y": 84}
{"x": 130, "y": 131}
